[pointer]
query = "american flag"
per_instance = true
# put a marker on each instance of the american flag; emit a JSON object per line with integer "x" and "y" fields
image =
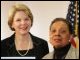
{"x": 73, "y": 17}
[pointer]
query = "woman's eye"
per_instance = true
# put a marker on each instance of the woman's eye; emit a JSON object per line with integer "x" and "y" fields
{"x": 53, "y": 31}
{"x": 63, "y": 31}
{"x": 18, "y": 20}
{"x": 26, "y": 19}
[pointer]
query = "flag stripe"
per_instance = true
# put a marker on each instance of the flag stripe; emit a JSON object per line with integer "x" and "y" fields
{"x": 73, "y": 18}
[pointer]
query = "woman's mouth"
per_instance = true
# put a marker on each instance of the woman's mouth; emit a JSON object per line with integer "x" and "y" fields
{"x": 57, "y": 40}
{"x": 23, "y": 28}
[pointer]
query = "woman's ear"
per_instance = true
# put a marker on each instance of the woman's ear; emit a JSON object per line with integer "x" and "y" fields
{"x": 71, "y": 36}
{"x": 50, "y": 37}
{"x": 12, "y": 26}
{"x": 49, "y": 33}
{"x": 72, "y": 41}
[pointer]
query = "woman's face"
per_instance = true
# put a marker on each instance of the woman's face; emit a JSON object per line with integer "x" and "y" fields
{"x": 21, "y": 22}
{"x": 59, "y": 34}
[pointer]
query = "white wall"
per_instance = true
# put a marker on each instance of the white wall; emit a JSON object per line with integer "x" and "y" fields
{"x": 43, "y": 11}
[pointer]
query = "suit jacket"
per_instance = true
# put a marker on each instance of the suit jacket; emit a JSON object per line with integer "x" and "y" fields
{"x": 73, "y": 53}
{"x": 40, "y": 47}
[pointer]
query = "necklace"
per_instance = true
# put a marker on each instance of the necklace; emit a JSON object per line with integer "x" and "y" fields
{"x": 26, "y": 51}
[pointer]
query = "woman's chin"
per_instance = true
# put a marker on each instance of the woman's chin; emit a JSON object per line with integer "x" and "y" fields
{"x": 23, "y": 32}
{"x": 57, "y": 45}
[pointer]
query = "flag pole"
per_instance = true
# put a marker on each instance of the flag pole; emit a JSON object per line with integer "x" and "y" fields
{"x": 76, "y": 25}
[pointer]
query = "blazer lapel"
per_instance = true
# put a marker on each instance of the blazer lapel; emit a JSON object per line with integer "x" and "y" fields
{"x": 71, "y": 53}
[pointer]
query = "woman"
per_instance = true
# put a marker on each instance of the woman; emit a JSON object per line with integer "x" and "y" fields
{"x": 22, "y": 42}
{"x": 60, "y": 35}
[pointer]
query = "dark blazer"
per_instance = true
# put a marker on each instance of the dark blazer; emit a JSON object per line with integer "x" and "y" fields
{"x": 40, "y": 47}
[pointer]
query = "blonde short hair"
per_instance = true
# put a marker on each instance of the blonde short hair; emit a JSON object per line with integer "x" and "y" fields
{"x": 18, "y": 7}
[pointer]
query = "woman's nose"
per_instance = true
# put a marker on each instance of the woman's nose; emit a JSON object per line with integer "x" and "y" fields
{"x": 57, "y": 33}
{"x": 23, "y": 22}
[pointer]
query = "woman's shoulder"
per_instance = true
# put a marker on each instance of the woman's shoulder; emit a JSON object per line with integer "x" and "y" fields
{"x": 73, "y": 53}
{"x": 48, "y": 56}
{"x": 38, "y": 39}
{"x": 4, "y": 41}
{"x": 7, "y": 40}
